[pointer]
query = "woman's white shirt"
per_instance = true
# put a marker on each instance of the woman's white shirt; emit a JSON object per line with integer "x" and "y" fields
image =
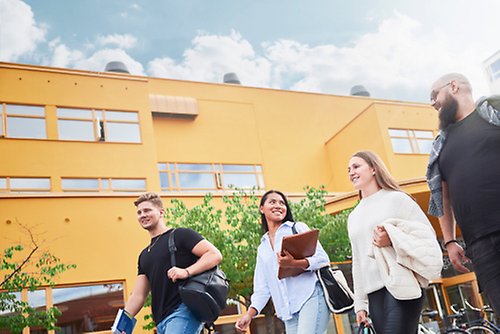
{"x": 288, "y": 294}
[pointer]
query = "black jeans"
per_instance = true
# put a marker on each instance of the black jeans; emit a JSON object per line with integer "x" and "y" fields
{"x": 485, "y": 256}
{"x": 392, "y": 316}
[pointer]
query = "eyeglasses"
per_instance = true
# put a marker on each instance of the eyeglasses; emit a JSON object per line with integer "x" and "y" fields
{"x": 435, "y": 92}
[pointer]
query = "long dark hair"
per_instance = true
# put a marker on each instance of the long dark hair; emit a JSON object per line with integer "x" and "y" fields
{"x": 288, "y": 216}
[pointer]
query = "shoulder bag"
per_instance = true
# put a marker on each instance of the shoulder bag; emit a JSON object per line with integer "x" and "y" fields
{"x": 204, "y": 294}
{"x": 338, "y": 296}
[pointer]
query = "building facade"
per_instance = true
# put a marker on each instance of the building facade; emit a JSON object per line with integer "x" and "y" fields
{"x": 78, "y": 147}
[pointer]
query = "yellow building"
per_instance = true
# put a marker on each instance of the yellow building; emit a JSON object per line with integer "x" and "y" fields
{"x": 77, "y": 147}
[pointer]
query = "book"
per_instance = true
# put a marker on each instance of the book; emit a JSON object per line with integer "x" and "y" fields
{"x": 124, "y": 322}
{"x": 300, "y": 246}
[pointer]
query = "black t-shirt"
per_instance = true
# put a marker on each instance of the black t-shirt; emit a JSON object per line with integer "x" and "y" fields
{"x": 155, "y": 264}
{"x": 470, "y": 164}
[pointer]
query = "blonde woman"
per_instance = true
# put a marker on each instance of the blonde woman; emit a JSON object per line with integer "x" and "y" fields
{"x": 394, "y": 249}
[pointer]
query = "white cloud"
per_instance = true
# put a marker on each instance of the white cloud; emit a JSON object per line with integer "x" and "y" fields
{"x": 399, "y": 60}
{"x": 211, "y": 56}
{"x": 63, "y": 56}
{"x": 19, "y": 32}
{"x": 125, "y": 41}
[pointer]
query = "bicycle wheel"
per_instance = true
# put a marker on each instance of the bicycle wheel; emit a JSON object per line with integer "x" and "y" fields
{"x": 479, "y": 329}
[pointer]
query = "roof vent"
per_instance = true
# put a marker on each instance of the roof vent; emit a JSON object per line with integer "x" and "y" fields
{"x": 231, "y": 78}
{"x": 116, "y": 66}
{"x": 359, "y": 90}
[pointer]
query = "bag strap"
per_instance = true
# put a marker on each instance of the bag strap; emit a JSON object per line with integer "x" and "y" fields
{"x": 294, "y": 230}
{"x": 171, "y": 248}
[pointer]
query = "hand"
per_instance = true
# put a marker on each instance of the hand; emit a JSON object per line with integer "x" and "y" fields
{"x": 175, "y": 274}
{"x": 362, "y": 317}
{"x": 457, "y": 257}
{"x": 380, "y": 237}
{"x": 242, "y": 324}
{"x": 285, "y": 260}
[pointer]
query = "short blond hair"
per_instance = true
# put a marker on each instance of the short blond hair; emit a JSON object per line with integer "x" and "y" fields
{"x": 151, "y": 197}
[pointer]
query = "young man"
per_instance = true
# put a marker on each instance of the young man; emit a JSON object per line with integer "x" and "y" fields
{"x": 464, "y": 179}
{"x": 155, "y": 273}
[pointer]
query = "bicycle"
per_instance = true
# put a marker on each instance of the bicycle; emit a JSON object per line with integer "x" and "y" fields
{"x": 481, "y": 325}
{"x": 457, "y": 324}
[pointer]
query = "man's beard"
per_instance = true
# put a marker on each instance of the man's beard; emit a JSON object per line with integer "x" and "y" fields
{"x": 448, "y": 113}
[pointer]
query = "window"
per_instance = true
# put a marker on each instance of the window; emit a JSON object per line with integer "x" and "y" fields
{"x": 98, "y": 125}
{"x": 494, "y": 70}
{"x": 24, "y": 184}
{"x": 84, "y": 308}
{"x": 411, "y": 141}
{"x": 103, "y": 184}
{"x": 22, "y": 121}
{"x": 209, "y": 177}
{"x": 88, "y": 308}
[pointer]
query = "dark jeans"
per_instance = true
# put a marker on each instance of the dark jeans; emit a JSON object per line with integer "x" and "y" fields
{"x": 392, "y": 316}
{"x": 485, "y": 256}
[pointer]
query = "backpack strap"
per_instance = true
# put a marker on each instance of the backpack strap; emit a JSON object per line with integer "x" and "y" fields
{"x": 171, "y": 248}
{"x": 294, "y": 230}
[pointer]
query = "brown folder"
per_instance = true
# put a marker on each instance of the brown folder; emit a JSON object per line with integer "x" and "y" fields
{"x": 300, "y": 246}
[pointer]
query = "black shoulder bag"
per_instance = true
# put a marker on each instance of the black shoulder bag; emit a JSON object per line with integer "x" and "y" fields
{"x": 204, "y": 294}
{"x": 338, "y": 296}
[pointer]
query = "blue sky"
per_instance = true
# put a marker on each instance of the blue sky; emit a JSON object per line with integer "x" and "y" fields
{"x": 396, "y": 49}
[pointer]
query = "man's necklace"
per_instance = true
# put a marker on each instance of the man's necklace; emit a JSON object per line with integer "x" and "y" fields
{"x": 154, "y": 243}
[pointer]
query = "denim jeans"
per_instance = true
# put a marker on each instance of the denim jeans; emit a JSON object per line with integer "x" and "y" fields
{"x": 181, "y": 321}
{"x": 312, "y": 318}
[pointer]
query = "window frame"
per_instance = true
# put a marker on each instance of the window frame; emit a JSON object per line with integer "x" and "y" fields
{"x": 101, "y": 187}
{"x": 173, "y": 170}
{"x": 8, "y": 188}
{"x": 413, "y": 139}
{"x": 4, "y": 116}
{"x": 100, "y": 123}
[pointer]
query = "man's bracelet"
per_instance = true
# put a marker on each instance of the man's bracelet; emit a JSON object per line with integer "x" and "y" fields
{"x": 449, "y": 242}
{"x": 189, "y": 275}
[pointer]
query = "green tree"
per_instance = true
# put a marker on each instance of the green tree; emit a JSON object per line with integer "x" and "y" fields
{"x": 333, "y": 228}
{"x": 27, "y": 268}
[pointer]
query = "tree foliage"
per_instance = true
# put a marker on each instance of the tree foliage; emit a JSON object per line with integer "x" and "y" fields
{"x": 27, "y": 269}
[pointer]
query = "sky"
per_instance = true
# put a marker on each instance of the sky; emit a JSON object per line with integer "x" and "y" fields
{"x": 395, "y": 48}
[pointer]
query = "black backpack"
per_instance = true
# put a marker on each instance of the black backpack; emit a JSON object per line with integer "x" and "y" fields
{"x": 204, "y": 294}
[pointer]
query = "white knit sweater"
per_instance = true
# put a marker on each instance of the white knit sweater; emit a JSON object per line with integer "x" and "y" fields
{"x": 370, "y": 212}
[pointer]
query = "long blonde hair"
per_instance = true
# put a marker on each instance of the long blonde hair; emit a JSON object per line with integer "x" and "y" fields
{"x": 382, "y": 176}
